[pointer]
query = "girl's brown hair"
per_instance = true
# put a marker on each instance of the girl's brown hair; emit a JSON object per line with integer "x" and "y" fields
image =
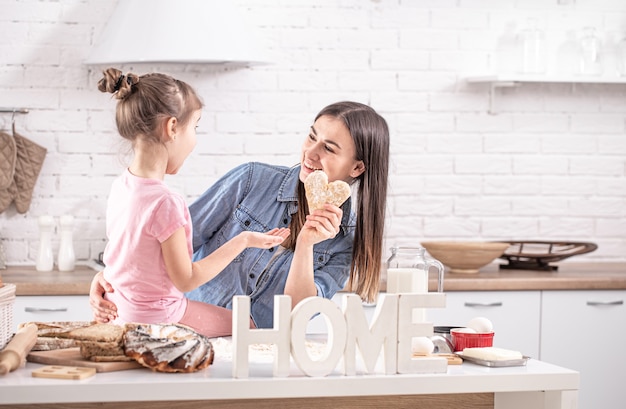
{"x": 370, "y": 134}
{"x": 145, "y": 101}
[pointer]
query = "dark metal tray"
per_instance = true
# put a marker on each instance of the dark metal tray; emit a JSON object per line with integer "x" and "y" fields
{"x": 537, "y": 255}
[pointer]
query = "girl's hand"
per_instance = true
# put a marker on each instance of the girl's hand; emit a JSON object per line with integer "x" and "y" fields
{"x": 321, "y": 225}
{"x": 266, "y": 240}
{"x": 103, "y": 310}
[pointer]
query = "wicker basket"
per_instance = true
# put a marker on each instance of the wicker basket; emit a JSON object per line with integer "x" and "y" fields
{"x": 7, "y": 299}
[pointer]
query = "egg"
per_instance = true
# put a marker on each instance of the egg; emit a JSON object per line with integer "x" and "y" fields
{"x": 422, "y": 345}
{"x": 481, "y": 325}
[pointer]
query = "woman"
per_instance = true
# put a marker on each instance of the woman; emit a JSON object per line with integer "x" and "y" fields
{"x": 326, "y": 249}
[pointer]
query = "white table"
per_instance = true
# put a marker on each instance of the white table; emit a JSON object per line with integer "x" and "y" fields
{"x": 537, "y": 385}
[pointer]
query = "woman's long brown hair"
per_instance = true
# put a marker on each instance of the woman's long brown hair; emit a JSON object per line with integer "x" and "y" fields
{"x": 370, "y": 134}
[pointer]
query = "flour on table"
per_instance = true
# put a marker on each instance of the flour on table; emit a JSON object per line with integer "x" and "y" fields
{"x": 223, "y": 348}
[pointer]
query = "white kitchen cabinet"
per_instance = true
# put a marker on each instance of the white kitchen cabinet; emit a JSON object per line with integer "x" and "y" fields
{"x": 584, "y": 331}
{"x": 51, "y": 308}
{"x": 515, "y": 316}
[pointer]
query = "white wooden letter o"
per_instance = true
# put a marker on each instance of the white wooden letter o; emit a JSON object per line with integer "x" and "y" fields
{"x": 337, "y": 335}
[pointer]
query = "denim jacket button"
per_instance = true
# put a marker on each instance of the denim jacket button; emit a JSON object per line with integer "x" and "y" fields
{"x": 247, "y": 223}
{"x": 251, "y": 275}
{"x": 271, "y": 249}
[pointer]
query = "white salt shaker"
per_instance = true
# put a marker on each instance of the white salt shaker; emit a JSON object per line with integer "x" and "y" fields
{"x": 45, "y": 259}
{"x": 66, "y": 257}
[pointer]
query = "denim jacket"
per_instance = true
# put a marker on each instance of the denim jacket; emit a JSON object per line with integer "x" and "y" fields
{"x": 259, "y": 197}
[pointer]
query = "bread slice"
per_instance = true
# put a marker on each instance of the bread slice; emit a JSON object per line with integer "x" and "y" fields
{"x": 98, "y": 332}
{"x": 52, "y": 343}
{"x": 57, "y": 329}
{"x": 90, "y": 349}
{"x": 319, "y": 191}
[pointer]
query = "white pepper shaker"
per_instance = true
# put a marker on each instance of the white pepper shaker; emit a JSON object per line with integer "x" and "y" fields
{"x": 45, "y": 259}
{"x": 66, "y": 258}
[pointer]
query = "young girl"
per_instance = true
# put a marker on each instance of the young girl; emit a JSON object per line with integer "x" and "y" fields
{"x": 148, "y": 254}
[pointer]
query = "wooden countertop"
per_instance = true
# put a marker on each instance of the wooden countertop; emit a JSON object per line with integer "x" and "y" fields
{"x": 569, "y": 276}
{"x": 29, "y": 281}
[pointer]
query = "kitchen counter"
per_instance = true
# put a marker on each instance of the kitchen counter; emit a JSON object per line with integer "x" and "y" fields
{"x": 569, "y": 276}
{"x": 539, "y": 385}
{"x": 29, "y": 281}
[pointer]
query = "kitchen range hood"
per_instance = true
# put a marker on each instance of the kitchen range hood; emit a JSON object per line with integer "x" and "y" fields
{"x": 176, "y": 31}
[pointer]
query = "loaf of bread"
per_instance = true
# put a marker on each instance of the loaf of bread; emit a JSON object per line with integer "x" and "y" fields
{"x": 319, "y": 191}
{"x": 160, "y": 347}
{"x": 95, "y": 340}
{"x": 168, "y": 347}
{"x": 57, "y": 329}
{"x": 492, "y": 354}
{"x": 53, "y": 335}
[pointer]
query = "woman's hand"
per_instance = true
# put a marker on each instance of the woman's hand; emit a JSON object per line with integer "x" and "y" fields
{"x": 103, "y": 310}
{"x": 321, "y": 225}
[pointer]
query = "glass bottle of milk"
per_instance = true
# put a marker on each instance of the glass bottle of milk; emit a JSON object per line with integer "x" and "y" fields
{"x": 407, "y": 272}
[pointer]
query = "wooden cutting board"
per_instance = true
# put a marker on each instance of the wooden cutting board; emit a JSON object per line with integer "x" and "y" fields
{"x": 71, "y": 357}
{"x": 453, "y": 359}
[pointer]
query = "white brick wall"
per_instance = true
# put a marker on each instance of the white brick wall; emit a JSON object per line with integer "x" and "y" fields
{"x": 549, "y": 165}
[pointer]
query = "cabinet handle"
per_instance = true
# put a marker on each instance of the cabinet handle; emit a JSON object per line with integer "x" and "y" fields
{"x": 595, "y": 303}
{"x": 33, "y": 309}
{"x": 484, "y": 304}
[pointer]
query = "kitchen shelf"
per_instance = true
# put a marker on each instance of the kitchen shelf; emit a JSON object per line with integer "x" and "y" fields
{"x": 496, "y": 81}
{"x": 520, "y": 78}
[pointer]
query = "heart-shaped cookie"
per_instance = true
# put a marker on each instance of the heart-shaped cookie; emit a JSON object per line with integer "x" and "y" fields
{"x": 319, "y": 191}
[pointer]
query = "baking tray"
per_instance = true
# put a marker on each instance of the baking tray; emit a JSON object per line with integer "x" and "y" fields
{"x": 495, "y": 364}
{"x": 538, "y": 255}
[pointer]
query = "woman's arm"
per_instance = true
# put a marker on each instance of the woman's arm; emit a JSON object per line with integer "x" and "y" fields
{"x": 103, "y": 310}
{"x": 320, "y": 225}
{"x": 188, "y": 276}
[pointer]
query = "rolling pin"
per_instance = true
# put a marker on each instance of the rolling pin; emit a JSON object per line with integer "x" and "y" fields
{"x": 16, "y": 350}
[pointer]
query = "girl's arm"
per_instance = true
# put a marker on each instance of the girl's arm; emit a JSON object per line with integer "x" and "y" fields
{"x": 187, "y": 275}
{"x": 320, "y": 225}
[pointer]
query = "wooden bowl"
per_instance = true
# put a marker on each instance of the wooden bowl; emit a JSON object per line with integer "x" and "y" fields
{"x": 465, "y": 256}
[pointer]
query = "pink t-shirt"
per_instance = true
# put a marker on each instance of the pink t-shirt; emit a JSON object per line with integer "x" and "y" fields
{"x": 141, "y": 214}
